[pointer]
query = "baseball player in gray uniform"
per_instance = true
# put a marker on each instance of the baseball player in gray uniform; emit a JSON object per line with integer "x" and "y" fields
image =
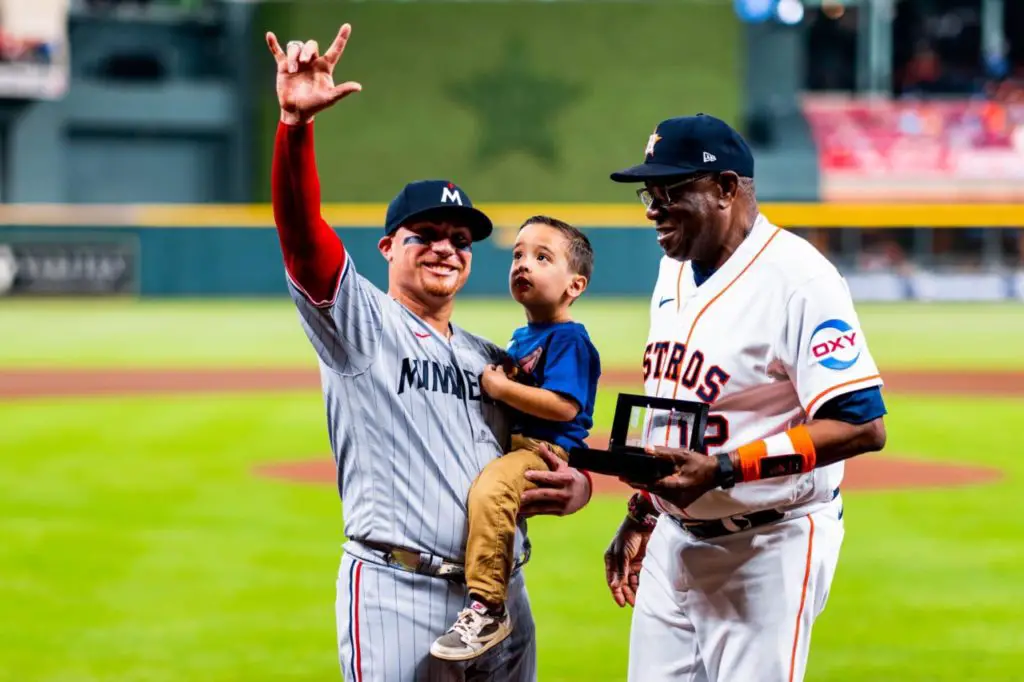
{"x": 408, "y": 423}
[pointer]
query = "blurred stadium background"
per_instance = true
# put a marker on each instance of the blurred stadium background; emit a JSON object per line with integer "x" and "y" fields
{"x": 151, "y": 364}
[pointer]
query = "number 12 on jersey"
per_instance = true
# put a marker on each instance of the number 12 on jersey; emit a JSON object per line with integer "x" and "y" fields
{"x": 717, "y": 432}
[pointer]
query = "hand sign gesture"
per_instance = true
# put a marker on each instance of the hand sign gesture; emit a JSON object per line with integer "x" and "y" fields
{"x": 305, "y": 82}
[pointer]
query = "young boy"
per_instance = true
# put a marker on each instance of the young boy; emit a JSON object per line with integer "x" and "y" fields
{"x": 552, "y": 387}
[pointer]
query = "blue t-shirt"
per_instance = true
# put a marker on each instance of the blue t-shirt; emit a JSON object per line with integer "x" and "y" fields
{"x": 558, "y": 357}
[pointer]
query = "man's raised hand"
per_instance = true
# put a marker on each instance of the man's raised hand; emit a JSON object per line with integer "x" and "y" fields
{"x": 305, "y": 78}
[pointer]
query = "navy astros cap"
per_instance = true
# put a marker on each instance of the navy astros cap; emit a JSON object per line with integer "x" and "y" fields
{"x": 436, "y": 200}
{"x": 691, "y": 144}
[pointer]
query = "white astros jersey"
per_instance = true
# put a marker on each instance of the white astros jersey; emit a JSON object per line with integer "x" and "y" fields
{"x": 408, "y": 424}
{"x": 767, "y": 340}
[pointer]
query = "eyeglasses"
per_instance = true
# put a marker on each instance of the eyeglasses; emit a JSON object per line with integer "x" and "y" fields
{"x": 661, "y": 195}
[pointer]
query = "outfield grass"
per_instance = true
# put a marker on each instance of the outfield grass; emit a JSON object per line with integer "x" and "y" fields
{"x": 137, "y": 545}
{"x": 266, "y": 333}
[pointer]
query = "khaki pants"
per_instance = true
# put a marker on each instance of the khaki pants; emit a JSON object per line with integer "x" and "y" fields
{"x": 493, "y": 508}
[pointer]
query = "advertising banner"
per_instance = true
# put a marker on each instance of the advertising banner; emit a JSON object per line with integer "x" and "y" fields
{"x": 908, "y": 150}
{"x": 68, "y": 265}
{"x": 936, "y": 286}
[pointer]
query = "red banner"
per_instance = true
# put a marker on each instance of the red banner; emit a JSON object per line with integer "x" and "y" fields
{"x": 904, "y": 150}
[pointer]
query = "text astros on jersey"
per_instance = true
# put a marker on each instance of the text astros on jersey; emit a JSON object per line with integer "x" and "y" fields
{"x": 766, "y": 340}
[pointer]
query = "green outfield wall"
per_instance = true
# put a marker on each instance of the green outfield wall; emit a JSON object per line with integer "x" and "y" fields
{"x": 232, "y": 249}
{"x": 516, "y": 101}
{"x": 246, "y": 261}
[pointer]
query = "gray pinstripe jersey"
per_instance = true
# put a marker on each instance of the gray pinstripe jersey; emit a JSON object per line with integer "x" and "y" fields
{"x": 407, "y": 422}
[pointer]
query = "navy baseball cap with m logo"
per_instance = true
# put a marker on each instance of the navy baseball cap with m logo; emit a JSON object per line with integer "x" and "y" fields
{"x": 436, "y": 200}
{"x": 687, "y": 145}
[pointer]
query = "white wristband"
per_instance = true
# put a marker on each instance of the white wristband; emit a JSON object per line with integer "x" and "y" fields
{"x": 779, "y": 444}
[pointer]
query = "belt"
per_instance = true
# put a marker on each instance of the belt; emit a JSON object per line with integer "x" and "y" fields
{"x": 425, "y": 563}
{"x": 705, "y": 530}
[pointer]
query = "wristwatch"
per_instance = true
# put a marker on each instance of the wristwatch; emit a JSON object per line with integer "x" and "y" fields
{"x": 725, "y": 475}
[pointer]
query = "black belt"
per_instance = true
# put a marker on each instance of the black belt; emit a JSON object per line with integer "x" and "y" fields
{"x": 705, "y": 530}
{"x": 425, "y": 563}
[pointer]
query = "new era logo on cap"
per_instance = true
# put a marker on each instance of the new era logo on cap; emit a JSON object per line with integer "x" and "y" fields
{"x": 691, "y": 144}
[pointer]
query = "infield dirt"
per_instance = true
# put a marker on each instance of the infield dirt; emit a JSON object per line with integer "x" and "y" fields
{"x": 871, "y": 472}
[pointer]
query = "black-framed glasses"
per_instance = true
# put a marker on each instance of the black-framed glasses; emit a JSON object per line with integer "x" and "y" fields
{"x": 661, "y": 195}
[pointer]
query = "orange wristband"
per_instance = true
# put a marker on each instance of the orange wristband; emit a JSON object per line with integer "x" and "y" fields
{"x": 783, "y": 454}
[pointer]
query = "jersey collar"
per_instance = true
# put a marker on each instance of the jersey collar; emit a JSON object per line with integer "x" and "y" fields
{"x": 760, "y": 232}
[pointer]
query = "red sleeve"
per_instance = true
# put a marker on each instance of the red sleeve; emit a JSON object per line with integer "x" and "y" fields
{"x": 313, "y": 253}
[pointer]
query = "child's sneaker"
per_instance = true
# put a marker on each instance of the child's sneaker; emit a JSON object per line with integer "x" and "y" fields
{"x": 476, "y": 630}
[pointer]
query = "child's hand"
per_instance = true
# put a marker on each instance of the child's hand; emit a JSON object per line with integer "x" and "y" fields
{"x": 493, "y": 380}
{"x": 510, "y": 367}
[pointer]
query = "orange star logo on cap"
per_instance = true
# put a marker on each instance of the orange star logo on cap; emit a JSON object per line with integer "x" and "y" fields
{"x": 651, "y": 141}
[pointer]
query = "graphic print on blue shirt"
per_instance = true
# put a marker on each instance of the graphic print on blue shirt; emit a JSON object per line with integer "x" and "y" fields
{"x": 558, "y": 357}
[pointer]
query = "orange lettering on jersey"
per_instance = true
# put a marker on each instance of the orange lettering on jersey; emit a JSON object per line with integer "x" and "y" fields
{"x": 709, "y": 383}
{"x": 675, "y": 358}
{"x": 693, "y": 368}
{"x": 660, "y": 349}
{"x": 715, "y": 380}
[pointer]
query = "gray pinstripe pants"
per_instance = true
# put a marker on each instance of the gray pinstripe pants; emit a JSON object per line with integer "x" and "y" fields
{"x": 387, "y": 619}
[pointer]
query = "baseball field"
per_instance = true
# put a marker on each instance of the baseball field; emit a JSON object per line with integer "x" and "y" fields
{"x": 167, "y": 511}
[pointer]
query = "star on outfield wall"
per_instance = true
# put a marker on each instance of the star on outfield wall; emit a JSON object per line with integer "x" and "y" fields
{"x": 516, "y": 107}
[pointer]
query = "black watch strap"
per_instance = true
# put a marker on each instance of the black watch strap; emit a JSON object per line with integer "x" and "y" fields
{"x": 725, "y": 477}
